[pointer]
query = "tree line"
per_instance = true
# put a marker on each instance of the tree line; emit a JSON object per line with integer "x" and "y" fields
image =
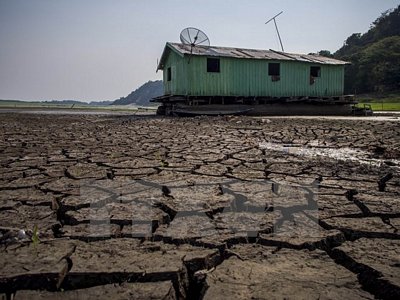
{"x": 374, "y": 56}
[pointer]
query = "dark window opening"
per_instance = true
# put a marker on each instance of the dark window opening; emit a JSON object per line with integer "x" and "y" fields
{"x": 315, "y": 71}
{"x": 169, "y": 74}
{"x": 213, "y": 65}
{"x": 274, "y": 70}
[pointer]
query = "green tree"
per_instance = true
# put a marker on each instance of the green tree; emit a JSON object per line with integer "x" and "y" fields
{"x": 381, "y": 60}
{"x": 374, "y": 56}
{"x": 325, "y": 53}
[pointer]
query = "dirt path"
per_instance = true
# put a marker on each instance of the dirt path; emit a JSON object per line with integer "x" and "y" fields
{"x": 121, "y": 207}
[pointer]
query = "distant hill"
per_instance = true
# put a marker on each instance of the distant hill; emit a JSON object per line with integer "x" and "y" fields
{"x": 143, "y": 94}
{"x": 374, "y": 56}
{"x": 70, "y": 102}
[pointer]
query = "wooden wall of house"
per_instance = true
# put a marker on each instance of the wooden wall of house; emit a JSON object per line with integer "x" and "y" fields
{"x": 249, "y": 77}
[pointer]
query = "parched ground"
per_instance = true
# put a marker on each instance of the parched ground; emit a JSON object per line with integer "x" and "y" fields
{"x": 119, "y": 207}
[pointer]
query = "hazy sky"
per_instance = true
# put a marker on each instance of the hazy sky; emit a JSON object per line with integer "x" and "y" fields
{"x": 104, "y": 49}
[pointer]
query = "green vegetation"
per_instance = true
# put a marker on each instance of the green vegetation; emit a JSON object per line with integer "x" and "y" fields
{"x": 380, "y": 102}
{"x": 162, "y": 159}
{"x": 35, "y": 235}
{"x": 379, "y": 98}
{"x": 374, "y": 56}
{"x": 384, "y": 106}
{"x": 35, "y": 238}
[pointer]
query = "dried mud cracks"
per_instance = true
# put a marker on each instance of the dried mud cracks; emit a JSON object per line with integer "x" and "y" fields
{"x": 213, "y": 208}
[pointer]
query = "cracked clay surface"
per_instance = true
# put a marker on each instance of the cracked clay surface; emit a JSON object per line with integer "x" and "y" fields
{"x": 120, "y": 207}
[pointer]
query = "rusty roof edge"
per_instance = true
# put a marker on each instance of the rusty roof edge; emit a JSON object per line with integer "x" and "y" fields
{"x": 318, "y": 59}
{"x": 313, "y": 58}
{"x": 309, "y": 59}
{"x": 283, "y": 54}
{"x": 327, "y": 60}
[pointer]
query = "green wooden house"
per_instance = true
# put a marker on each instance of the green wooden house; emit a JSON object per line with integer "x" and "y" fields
{"x": 221, "y": 75}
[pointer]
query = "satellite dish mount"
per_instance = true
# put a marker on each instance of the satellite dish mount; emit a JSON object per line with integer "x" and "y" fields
{"x": 276, "y": 27}
{"x": 194, "y": 37}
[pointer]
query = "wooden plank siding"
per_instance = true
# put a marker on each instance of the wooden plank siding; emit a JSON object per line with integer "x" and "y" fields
{"x": 249, "y": 78}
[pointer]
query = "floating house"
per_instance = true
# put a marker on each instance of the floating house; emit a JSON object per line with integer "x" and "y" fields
{"x": 207, "y": 78}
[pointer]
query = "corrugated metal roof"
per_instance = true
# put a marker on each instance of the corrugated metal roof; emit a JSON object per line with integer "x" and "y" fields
{"x": 251, "y": 54}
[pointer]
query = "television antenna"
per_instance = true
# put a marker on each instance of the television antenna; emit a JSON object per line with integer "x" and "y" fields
{"x": 276, "y": 27}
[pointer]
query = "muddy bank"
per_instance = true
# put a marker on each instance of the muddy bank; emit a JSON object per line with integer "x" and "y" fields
{"x": 176, "y": 208}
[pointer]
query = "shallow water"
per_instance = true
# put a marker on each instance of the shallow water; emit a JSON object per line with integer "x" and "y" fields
{"x": 382, "y": 117}
{"x": 339, "y": 154}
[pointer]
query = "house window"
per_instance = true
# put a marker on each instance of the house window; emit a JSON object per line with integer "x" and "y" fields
{"x": 213, "y": 65}
{"x": 315, "y": 71}
{"x": 274, "y": 70}
{"x": 169, "y": 74}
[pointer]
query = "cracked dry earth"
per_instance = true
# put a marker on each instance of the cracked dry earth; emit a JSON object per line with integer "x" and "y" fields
{"x": 203, "y": 208}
